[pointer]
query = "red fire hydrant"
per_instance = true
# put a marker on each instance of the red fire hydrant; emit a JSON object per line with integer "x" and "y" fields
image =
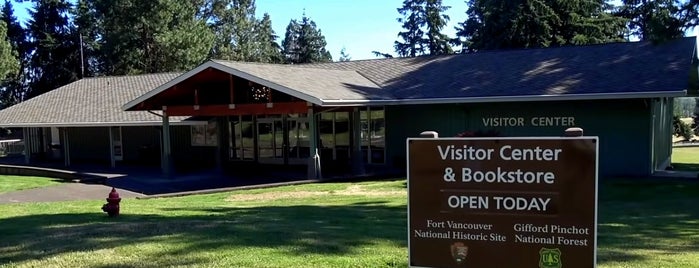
{"x": 112, "y": 206}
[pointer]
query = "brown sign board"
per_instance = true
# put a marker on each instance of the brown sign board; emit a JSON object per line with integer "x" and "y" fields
{"x": 502, "y": 202}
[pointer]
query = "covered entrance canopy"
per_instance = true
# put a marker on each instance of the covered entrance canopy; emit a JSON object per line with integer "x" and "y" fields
{"x": 263, "y": 113}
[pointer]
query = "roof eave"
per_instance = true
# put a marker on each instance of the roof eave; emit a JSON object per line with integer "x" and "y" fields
{"x": 221, "y": 67}
{"x": 562, "y": 97}
{"x": 101, "y": 124}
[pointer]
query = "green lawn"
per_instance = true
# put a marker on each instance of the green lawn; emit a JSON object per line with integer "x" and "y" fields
{"x": 318, "y": 225}
{"x": 685, "y": 158}
{"x": 16, "y": 183}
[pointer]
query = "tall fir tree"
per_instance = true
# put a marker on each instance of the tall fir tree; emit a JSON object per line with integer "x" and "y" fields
{"x": 269, "y": 49}
{"x": 435, "y": 20}
{"x": 413, "y": 18}
{"x": 240, "y": 36}
{"x": 502, "y": 24}
{"x": 55, "y": 59}
{"x": 151, "y": 36}
{"x": 654, "y": 20}
{"x": 304, "y": 43}
{"x": 13, "y": 88}
{"x": 89, "y": 32}
{"x": 423, "y": 21}
{"x": 344, "y": 56}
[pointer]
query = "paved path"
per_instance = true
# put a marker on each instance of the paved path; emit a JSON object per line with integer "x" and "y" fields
{"x": 63, "y": 192}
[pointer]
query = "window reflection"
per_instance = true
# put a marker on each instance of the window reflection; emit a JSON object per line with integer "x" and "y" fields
{"x": 373, "y": 135}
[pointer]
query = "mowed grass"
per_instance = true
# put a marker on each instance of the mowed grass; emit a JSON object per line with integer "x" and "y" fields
{"x": 641, "y": 224}
{"x": 16, "y": 183}
{"x": 317, "y": 225}
{"x": 648, "y": 224}
{"x": 685, "y": 158}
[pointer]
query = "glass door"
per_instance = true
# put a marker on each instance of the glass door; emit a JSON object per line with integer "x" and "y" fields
{"x": 299, "y": 140}
{"x": 270, "y": 140}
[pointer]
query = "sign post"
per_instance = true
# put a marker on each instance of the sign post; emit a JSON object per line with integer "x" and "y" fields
{"x": 502, "y": 202}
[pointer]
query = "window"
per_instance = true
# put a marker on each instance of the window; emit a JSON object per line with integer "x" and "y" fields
{"x": 205, "y": 135}
{"x": 242, "y": 141}
{"x": 373, "y": 135}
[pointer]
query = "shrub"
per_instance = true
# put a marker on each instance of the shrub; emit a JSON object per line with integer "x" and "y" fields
{"x": 681, "y": 129}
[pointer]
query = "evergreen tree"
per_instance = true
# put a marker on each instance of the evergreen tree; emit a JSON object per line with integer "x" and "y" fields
{"x": 586, "y": 22}
{"x": 654, "y": 20}
{"x": 498, "y": 24}
{"x": 344, "y": 56}
{"x": 304, "y": 43}
{"x": 89, "y": 31}
{"x": 412, "y": 20}
{"x": 8, "y": 62}
{"x": 690, "y": 13}
{"x": 423, "y": 21}
{"x": 151, "y": 36}
{"x": 13, "y": 88}
{"x": 239, "y": 35}
{"x": 55, "y": 59}
{"x": 381, "y": 54}
{"x": 269, "y": 49}
{"x": 437, "y": 42}
{"x": 290, "y": 44}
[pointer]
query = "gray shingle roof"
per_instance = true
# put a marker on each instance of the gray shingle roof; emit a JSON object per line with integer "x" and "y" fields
{"x": 633, "y": 67}
{"x": 87, "y": 102}
{"x": 322, "y": 83}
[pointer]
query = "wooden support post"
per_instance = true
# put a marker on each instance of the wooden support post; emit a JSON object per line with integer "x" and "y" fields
{"x": 66, "y": 148}
{"x": 314, "y": 170}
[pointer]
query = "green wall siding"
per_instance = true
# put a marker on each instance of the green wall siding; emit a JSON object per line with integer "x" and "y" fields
{"x": 622, "y": 125}
{"x": 141, "y": 145}
{"x": 89, "y": 145}
{"x": 187, "y": 157}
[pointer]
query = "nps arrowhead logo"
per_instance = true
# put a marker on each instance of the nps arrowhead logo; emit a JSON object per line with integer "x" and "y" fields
{"x": 459, "y": 251}
{"x": 550, "y": 258}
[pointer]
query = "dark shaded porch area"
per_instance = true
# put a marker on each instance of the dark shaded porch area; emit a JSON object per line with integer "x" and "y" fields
{"x": 150, "y": 181}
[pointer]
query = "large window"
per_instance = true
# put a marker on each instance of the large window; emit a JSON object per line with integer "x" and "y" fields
{"x": 243, "y": 140}
{"x": 334, "y": 135}
{"x": 373, "y": 135}
{"x": 205, "y": 135}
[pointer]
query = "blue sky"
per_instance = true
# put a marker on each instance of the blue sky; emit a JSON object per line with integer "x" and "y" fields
{"x": 360, "y": 26}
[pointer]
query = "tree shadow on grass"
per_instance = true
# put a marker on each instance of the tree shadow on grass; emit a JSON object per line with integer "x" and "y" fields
{"x": 296, "y": 230}
{"x": 647, "y": 215}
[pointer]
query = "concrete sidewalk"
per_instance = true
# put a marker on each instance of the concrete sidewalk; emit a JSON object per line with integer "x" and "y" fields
{"x": 64, "y": 192}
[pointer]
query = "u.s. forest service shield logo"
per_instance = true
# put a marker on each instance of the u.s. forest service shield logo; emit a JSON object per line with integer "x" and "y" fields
{"x": 459, "y": 252}
{"x": 550, "y": 258}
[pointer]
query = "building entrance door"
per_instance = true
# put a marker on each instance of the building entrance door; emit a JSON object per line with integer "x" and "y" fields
{"x": 270, "y": 140}
{"x": 283, "y": 140}
{"x": 298, "y": 138}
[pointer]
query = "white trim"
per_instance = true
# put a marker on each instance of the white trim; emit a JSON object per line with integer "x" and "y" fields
{"x": 224, "y": 68}
{"x": 564, "y": 97}
{"x": 102, "y": 124}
